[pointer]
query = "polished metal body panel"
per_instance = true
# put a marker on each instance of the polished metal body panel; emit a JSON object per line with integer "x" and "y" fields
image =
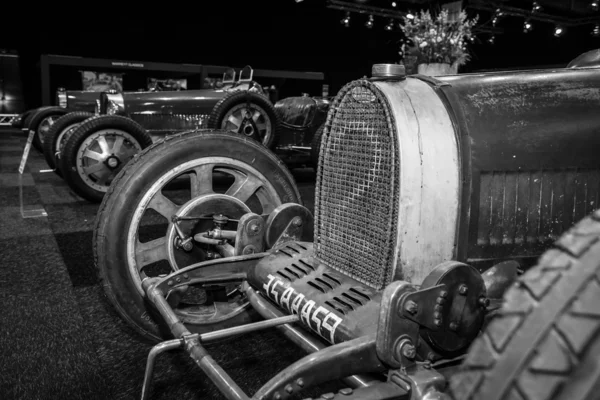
{"x": 81, "y": 100}
{"x": 530, "y": 142}
{"x": 196, "y": 102}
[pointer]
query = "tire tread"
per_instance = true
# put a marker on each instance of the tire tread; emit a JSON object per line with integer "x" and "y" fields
{"x": 541, "y": 355}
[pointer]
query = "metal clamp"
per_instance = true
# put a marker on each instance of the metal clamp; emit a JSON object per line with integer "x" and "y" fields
{"x": 397, "y": 336}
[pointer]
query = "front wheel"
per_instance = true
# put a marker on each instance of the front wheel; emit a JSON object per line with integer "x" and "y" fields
{"x": 199, "y": 174}
{"x": 249, "y": 114}
{"x": 41, "y": 122}
{"x": 97, "y": 150}
{"x": 544, "y": 342}
{"x": 59, "y": 131}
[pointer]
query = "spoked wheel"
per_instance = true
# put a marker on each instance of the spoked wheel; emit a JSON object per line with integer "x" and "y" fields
{"x": 97, "y": 150}
{"x": 206, "y": 179}
{"x": 59, "y": 132}
{"x": 249, "y": 114}
{"x": 42, "y": 121}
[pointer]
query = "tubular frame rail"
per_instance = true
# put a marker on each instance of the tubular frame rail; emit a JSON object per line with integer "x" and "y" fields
{"x": 6, "y": 119}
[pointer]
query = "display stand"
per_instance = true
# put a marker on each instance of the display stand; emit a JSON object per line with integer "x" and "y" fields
{"x": 29, "y": 211}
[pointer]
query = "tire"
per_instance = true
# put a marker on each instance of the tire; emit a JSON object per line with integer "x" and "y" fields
{"x": 234, "y": 102}
{"x": 544, "y": 343}
{"x": 315, "y": 147}
{"x": 40, "y": 123}
{"x": 57, "y": 131}
{"x": 134, "y": 137}
{"x": 30, "y": 115}
{"x": 125, "y": 199}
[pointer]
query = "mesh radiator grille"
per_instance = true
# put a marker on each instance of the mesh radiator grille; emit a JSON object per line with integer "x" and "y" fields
{"x": 357, "y": 187}
{"x": 157, "y": 121}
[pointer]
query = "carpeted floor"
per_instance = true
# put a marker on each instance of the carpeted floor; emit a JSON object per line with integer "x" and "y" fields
{"x": 58, "y": 337}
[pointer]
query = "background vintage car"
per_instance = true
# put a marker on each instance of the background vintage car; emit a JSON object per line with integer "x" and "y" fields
{"x": 423, "y": 184}
{"x": 132, "y": 120}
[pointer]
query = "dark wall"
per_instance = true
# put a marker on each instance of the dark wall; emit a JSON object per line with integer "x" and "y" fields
{"x": 11, "y": 91}
{"x": 268, "y": 34}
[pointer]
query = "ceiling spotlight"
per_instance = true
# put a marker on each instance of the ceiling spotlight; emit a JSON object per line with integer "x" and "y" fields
{"x": 499, "y": 12}
{"x": 390, "y": 26}
{"x": 394, "y": 4}
{"x": 492, "y": 39}
{"x": 494, "y": 21}
{"x": 536, "y": 7}
{"x": 369, "y": 23}
{"x": 596, "y": 30}
{"x": 346, "y": 20}
{"x": 299, "y": 1}
{"x": 410, "y": 16}
{"x": 527, "y": 26}
{"x": 595, "y": 4}
{"x": 558, "y": 31}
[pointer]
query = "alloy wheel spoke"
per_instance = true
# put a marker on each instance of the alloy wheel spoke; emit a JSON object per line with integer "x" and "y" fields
{"x": 201, "y": 180}
{"x": 163, "y": 206}
{"x": 93, "y": 155}
{"x": 235, "y": 121}
{"x": 94, "y": 168}
{"x": 103, "y": 178}
{"x": 116, "y": 148}
{"x": 103, "y": 145}
{"x": 150, "y": 252}
{"x": 244, "y": 187}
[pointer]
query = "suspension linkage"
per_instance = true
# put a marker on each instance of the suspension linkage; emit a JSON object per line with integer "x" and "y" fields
{"x": 188, "y": 340}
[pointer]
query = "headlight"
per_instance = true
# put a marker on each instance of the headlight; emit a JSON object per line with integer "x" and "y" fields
{"x": 111, "y": 103}
{"x": 61, "y": 98}
{"x": 112, "y": 108}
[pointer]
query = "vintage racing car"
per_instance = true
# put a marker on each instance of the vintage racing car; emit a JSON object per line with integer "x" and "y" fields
{"x": 89, "y": 152}
{"x": 432, "y": 195}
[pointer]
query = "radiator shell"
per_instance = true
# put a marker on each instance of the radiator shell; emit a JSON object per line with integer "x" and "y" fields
{"x": 485, "y": 167}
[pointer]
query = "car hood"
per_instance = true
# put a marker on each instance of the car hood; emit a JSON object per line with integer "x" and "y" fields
{"x": 82, "y": 99}
{"x": 172, "y": 102}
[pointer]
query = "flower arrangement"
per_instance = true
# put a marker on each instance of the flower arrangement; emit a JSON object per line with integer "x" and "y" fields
{"x": 439, "y": 39}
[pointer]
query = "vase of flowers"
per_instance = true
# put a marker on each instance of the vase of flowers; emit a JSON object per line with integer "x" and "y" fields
{"x": 440, "y": 43}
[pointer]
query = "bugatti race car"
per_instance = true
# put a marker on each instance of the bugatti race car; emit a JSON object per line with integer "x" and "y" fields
{"x": 432, "y": 196}
{"x": 89, "y": 152}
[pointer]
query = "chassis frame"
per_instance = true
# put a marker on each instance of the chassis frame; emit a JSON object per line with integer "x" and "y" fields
{"x": 385, "y": 364}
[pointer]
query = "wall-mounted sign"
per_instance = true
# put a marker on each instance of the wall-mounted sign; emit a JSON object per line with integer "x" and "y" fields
{"x": 126, "y": 64}
{"x": 101, "y": 81}
{"x": 167, "y": 84}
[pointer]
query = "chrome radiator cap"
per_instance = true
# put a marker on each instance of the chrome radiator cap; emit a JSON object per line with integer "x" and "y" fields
{"x": 388, "y": 71}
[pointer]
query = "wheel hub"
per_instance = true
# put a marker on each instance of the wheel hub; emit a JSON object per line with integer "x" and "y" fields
{"x": 205, "y": 206}
{"x": 112, "y": 161}
{"x": 248, "y": 129}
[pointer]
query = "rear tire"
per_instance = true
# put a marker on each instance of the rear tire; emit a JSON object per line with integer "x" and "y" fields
{"x": 78, "y": 156}
{"x": 119, "y": 221}
{"x": 54, "y": 142}
{"x": 264, "y": 125}
{"x": 544, "y": 342}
